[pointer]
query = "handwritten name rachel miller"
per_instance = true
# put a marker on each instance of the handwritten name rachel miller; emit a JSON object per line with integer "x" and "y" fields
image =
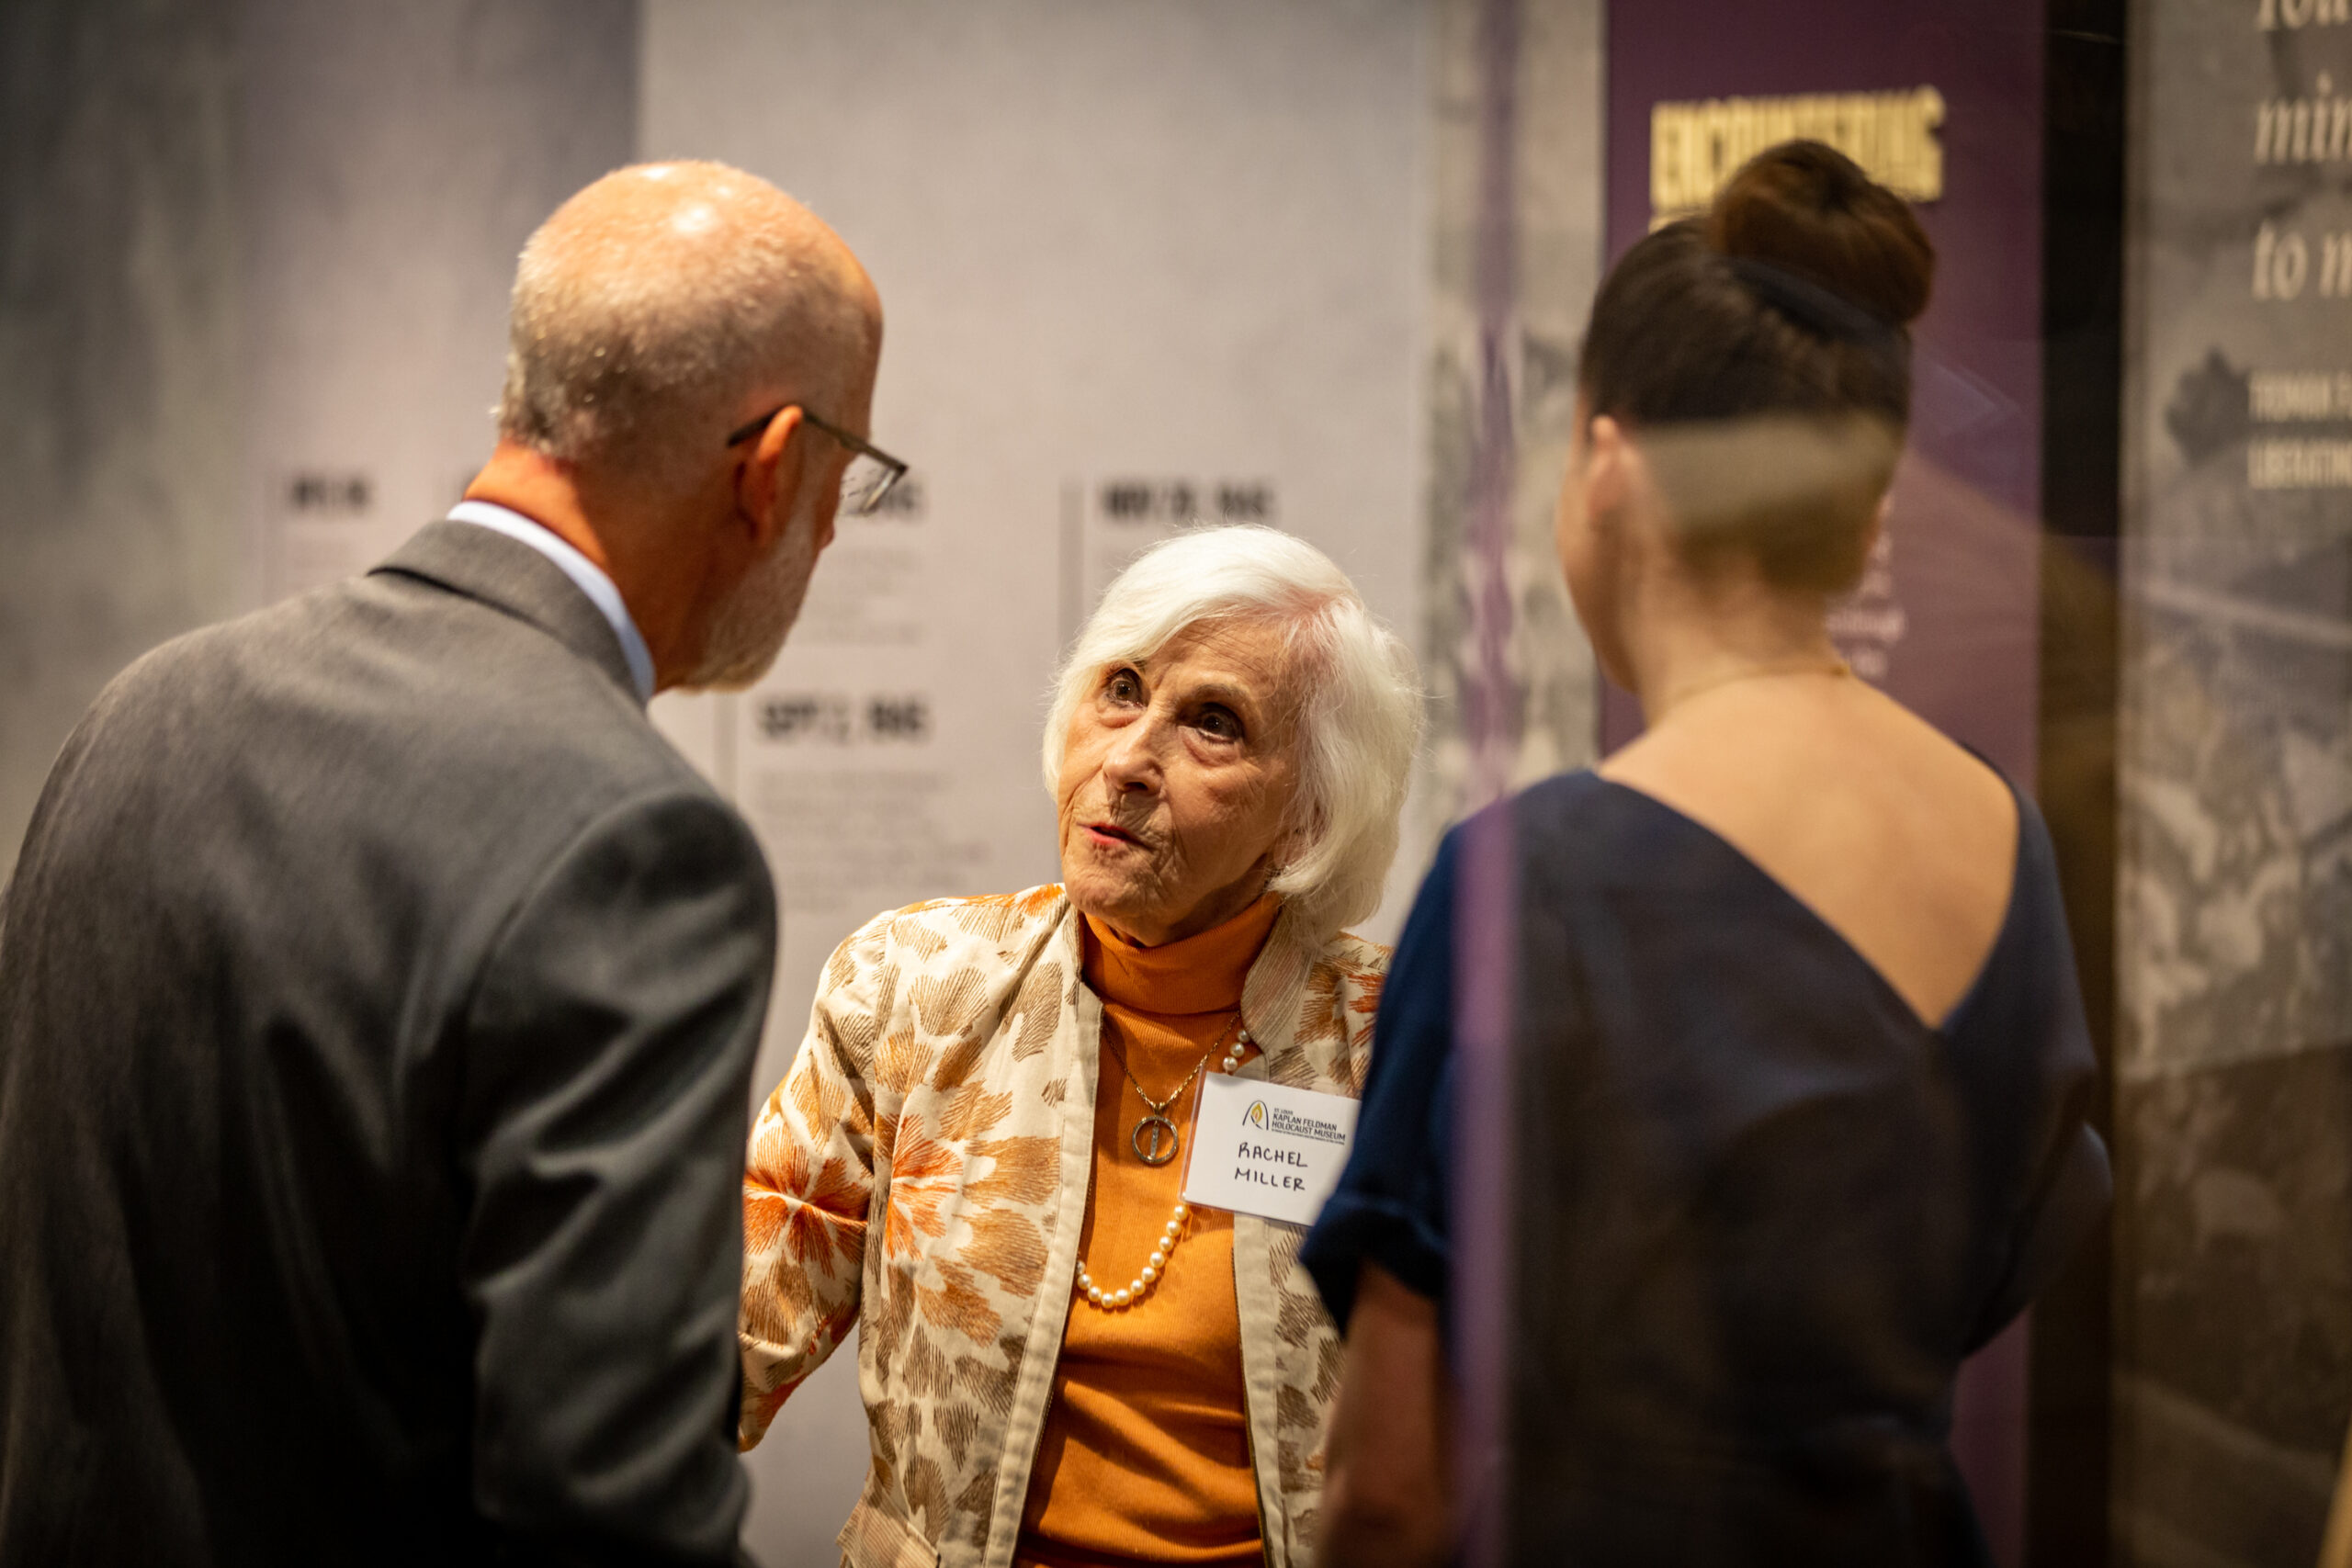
{"x": 1280, "y": 1180}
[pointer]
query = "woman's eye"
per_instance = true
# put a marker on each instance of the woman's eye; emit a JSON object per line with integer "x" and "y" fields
{"x": 1219, "y": 723}
{"x": 1122, "y": 687}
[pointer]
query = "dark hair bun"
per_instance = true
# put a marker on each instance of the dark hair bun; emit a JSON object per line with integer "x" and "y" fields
{"x": 1809, "y": 209}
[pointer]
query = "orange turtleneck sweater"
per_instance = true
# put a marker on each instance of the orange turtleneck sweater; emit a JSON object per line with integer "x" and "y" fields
{"x": 1145, "y": 1457}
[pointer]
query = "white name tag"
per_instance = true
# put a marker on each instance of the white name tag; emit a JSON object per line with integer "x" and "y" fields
{"x": 1265, "y": 1149}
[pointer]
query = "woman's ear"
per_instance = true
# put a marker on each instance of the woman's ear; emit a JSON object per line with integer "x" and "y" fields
{"x": 1609, "y": 462}
{"x": 1298, "y": 837}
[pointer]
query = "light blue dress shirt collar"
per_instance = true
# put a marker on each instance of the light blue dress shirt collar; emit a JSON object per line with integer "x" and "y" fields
{"x": 580, "y": 569}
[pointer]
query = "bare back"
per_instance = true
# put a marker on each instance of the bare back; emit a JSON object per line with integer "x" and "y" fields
{"x": 1895, "y": 837}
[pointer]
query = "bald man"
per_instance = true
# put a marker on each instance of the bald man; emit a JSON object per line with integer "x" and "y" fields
{"x": 379, "y": 992}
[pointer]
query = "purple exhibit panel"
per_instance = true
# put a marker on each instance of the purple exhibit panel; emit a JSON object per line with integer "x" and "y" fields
{"x": 1944, "y": 102}
{"x": 1956, "y": 626}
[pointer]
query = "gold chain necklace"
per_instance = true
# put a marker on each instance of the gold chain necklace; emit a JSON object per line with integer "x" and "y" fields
{"x": 1837, "y": 666}
{"x": 1161, "y": 1149}
{"x": 1174, "y": 1232}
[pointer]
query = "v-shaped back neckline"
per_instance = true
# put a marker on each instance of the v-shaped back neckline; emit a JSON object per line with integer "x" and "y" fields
{"x": 1942, "y": 1029}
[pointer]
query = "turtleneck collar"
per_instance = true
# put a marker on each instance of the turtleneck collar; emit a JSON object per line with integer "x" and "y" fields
{"x": 1200, "y": 974}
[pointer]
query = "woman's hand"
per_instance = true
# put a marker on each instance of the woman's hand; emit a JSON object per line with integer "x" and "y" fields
{"x": 1387, "y": 1490}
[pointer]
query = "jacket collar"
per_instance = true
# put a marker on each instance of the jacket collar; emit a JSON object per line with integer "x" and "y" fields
{"x": 1275, "y": 993}
{"x": 506, "y": 575}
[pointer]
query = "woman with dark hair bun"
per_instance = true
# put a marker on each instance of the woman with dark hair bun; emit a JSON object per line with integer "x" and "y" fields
{"x": 1799, "y": 1069}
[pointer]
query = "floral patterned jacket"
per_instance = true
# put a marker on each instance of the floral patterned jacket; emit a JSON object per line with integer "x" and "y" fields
{"x": 922, "y": 1174}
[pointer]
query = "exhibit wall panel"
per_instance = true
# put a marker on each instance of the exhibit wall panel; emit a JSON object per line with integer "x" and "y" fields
{"x": 1140, "y": 265}
{"x": 2233, "y": 1052}
{"x": 120, "y": 416}
{"x": 1516, "y": 257}
{"x": 1942, "y": 101}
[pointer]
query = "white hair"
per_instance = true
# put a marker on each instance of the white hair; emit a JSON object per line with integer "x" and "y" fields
{"x": 653, "y": 302}
{"x": 1359, "y": 711}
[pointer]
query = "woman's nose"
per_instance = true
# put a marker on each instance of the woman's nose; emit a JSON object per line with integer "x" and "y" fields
{"x": 1133, "y": 760}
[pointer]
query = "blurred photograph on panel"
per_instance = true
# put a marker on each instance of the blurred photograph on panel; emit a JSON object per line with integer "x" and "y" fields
{"x": 1754, "y": 1058}
{"x": 379, "y": 991}
{"x": 979, "y": 1159}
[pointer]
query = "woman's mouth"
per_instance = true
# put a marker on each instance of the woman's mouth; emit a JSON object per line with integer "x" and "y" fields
{"x": 1106, "y": 834}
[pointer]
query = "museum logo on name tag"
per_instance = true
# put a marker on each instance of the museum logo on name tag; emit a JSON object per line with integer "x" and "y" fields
{"x": 1264, "y": 1149}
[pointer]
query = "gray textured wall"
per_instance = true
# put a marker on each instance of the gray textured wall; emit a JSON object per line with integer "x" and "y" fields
{"x": 398, "y": 156}
{"x": 240, "y": 241}
{"x": 120, "y": 308}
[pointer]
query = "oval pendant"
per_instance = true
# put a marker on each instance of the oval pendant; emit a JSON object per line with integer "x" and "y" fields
{"x": 1161, "y": 1147}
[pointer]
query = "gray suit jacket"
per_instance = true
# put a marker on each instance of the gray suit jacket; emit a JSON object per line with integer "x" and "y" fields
{"x": 378, "y": 994}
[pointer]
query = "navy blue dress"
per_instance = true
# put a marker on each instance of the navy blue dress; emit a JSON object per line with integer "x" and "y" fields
{"x": 1760, "y": 1210}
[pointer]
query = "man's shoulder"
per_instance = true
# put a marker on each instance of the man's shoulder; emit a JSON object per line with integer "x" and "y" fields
{"x": 389, "y": 705}
{"x": 390, "y": 650}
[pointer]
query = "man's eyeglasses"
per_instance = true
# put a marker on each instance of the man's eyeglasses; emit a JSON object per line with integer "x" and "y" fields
{"x": 871, "y": 471}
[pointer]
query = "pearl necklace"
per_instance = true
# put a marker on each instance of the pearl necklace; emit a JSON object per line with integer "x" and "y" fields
{"x": 1174, "y": 1232}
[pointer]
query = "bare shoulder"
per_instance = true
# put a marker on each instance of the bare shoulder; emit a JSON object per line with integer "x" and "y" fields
{"x": 1897, "y": 837}
{"x": 1928, "y": 763}
{"x": 1767, "y": 762}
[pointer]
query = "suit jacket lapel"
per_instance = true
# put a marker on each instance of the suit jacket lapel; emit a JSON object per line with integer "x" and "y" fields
{"x": 510, "y": 576}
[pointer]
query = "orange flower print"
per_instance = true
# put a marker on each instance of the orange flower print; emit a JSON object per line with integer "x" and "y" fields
{"x": 775, "y": 1302}
{"x": 998, "y": 913}
{"x": 1320, "y": 1013}
{"x": 960, "y": 1303}
{"x": 817, "y": 1213}
{"x": 925, "y": 1174}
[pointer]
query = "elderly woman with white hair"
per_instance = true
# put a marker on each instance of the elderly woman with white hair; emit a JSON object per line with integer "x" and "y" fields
{"x": 975, "y": 1158}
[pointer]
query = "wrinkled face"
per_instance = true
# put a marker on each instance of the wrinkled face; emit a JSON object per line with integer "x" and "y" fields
{"x": 1176, "y": 784}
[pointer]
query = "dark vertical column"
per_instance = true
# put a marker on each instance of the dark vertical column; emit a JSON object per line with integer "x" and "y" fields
{"x": 2082, "y": 368}
{"x": 1484, "y": 936}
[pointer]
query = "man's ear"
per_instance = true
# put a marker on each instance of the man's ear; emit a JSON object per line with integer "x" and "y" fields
{"x": 769, "y": 482}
